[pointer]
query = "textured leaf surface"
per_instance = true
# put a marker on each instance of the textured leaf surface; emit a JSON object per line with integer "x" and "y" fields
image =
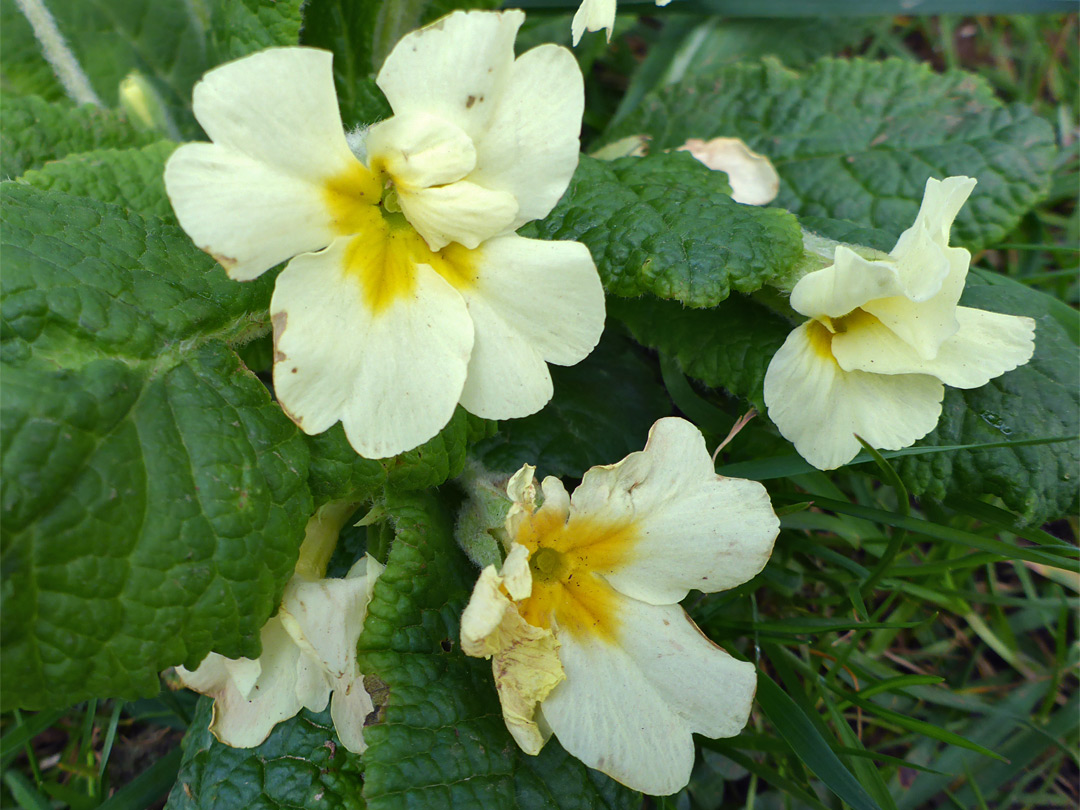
{"x": 602, "y": 410}
{"x": 130, "y": 178}
{"x": 666, "y": 225}
{"x": 857, "y": 140}
{"x": 728, "y": 346}
{"x": 301, "y": 765}
{"x": 153, "y": 496}
{"x": 34, "y": 131}
{"x": 1037, "y": 400}
{"x": 440, "y": 740}
{"x": 338, "y": 472}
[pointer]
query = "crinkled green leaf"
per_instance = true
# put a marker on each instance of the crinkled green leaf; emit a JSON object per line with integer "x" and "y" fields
{"x": 34, "y": 131}
{"x": 857, "y": 139}
{"x": 1038, "y": 400}
{"x": 130, "y": 178}
{"x": 666, "y": 225}
{"x": 728, "y": 346}
{"x": 440, "y": 740}
{"x": 602, "y": 410}
{"x": 240, "y": 27}
{"x": 153, "y": 495}
{"x": 338, "y": 472}
{"x": 301, "y": 765}
{"x": 23, "y": 70}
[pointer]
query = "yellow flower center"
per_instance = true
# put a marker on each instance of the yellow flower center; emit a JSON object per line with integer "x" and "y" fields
{"x": 385, "y": 249}
{"x": 820, "y": 331}
{"x": 568, "y": 559}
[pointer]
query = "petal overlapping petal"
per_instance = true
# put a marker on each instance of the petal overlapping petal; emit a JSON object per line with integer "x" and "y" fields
{"x": 464, "y": 58}
{"x": 691, "y": 527}
{"x": 819, "y": 407}
{"x": 985, "y": 346}
{"x": 397, "y": 373}
{"x": 533, "y": 302}
{"x": 461, "y": 212}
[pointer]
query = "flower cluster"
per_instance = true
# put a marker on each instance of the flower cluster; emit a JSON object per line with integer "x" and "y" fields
{"x": 408, "y": 292}
{"x": 885, "y": 336}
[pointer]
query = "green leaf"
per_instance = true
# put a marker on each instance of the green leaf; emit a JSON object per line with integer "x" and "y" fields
{"x": 579, "y": 427}
{"x": 34, "y": 131}
{"x": 1039, "y": 399}
{"x": 23, "y": 70}
{"x": 130, "y": 178}
{"x": 301, "y": 765}
{"x": 440, "y": 740}
{"x": 338, "y": 472}
{"x": 857, "y": 140}
{"x": 153, "y": 495}
{"x": 808, "y": 744}
{"x": 728, "y": 346}
{"x": 666, "y": 225}
{"x": 240, "y": 27}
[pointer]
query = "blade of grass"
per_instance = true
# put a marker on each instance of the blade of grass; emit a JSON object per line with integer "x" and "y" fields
{"x": 28, "y": 728}
{"x": 147, "y": 787}
{"x": 24, "y": 793}
{"x": 809, "y": 746}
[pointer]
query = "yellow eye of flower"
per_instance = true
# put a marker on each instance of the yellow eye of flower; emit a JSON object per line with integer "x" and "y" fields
{"x": 567, "y": 561}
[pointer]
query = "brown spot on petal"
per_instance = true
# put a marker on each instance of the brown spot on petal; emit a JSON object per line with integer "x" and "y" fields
{"x": 280, "y": 320}
{"x": 469, "y": 102}
{"x": 228, "y": 262}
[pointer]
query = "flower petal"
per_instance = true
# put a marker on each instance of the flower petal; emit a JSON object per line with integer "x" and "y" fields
{"x": 278, "y": 107}
{"x": 349, "y": 708}
{"x": 849, "y": 282}
{"x": 986, "y": 345}
{"x": 245, "y": 723}
{"x": 461, "y": 212}
{"x": 592, "y": 15}
{"x": 628, "y": 708}
{"x": 941, "y": 202}
{"x": 392, "y": 377}
{"x": 926, "y": 325}
{"x": 534, "y": 302}
{"x": 819, "y": 407}
{"x": 691, "y": 528}
{"x": 420, "y": 150}
{"x": 530, "y": 147}
{"x": 463, "y": 59}
{"x": 752, "y": 177}
{"x": 248, "y": 215}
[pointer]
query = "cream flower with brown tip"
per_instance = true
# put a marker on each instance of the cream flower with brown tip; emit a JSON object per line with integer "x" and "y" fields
{"x": 583, "y": 625}
{"x": 409, "y": 292}
{"x": 885, "y": 338}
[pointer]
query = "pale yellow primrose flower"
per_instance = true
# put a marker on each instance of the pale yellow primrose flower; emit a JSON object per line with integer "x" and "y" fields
{"x": 885, "y": 337}
{"x": 308, "y": 652}
{"x": 420, "y": 296}
{"x": 583, "y": 625}
{"x": 592, "y": 15}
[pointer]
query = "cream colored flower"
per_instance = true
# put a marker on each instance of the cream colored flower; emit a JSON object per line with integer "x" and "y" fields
{"x": 592, "y": 15}
{"x": 409, "y": 291}
{"x": 752, "y": 177}
{"x": 885, "y": 337}
{"x": 583, "y": 625}
{"x": 308, "y": 652}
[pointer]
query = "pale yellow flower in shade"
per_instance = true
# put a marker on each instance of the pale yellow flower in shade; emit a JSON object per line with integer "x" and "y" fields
{"x": 753, "y": 179}
{"x": 582, "y": 622}
{"x": 885, "y": 336}
{"x": 308, "y": 654}
{"x": 593, "y": 15}
{"x": 408, "y": 291}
